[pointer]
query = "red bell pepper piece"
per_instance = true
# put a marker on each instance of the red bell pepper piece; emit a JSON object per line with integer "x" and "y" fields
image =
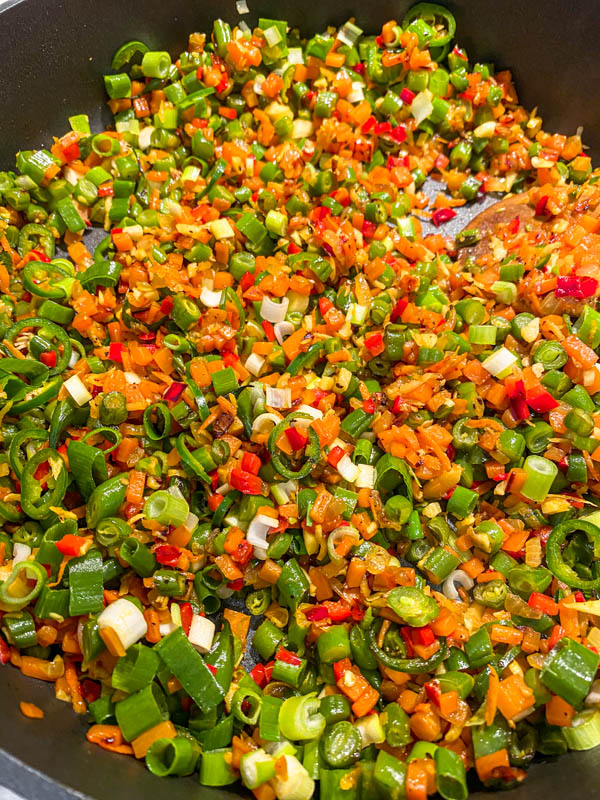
{"x": 236, "y": 585}
{"x": 399, "y": 405}
{"x": 186, "y": 612}
{"x": 245, "y": 482}
{"x": 174, "y": 392}
{"x": 407, "y": 96}
{"x": 167, "y": 555}
{"x": 398, "y": 309}
{"x": 335, "y": 455}
{"x": 374, "y": 343}
{"x": 541, "y": 602}
{"x": 368, "y": 229}
{"x": 251, "y": 463}
{"x": 269, "y": 330}
{"x": 90, "y": 690}
{"x": 115, "y": 351}
{"x": 434, "y": 691}
{"x": 315, "y": 614}
{"x": 214, "y": 501}
{"x": 540, "y": 399}
{"x": 212, "y": 669}
{"x": 293, "y": 248}
{"x": 423, "y": 636}
{"x": 287, "y": 657}
{"x": 246, "y": 281}
{"x": 4, "y": 652}
{"x": 398, "y": 133}
{"x": 243, "y": 552}
{"x": 341, "y": 667}
{"x": 382, "y": 127}
{"x": 70, "y": 545}
{"x": 540, "y": 209}
{"x": 442, "y": 215}
{"x": 325, "y": 305}
{"x": 257, "y": 673}
{"x": 49, "y": 358}
{"x": 516, "y": 394}
{"x": 296, "y": 439}
{"x": 338, "y": 612}
{"x": 229, "y": 359}
{"x": 71, "y": 152}
{"x": 557, "y": 634}
{"x": 167, "y": 305}
{"x": 576, "y": 286}
{"x": 369, "y": 124}
{"x": 369, "y": 405}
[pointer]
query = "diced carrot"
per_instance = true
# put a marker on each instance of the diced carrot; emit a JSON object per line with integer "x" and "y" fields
{"x": 559, "y": 712}
{"x": 240, "y": 623}
{"x": 366, "y": 702}
{"x": 153, "y": 622}
{"x": 485, "y": 765}
{"x": 109, "y": 737}
{"x": 514, "y": 697}
{"x": 135, "y": 489}
{"x": 112, "y": 642}
{"x": 416, "y": 780}
{"x": 444, "y": 624}
{"x": 270, "y": 571}
{"x": 228, "y": 568}
{"x": 448, "y": 702}
{"x": 506, "y": 635}
{"x": 356, "y": 572}
{"x": 408, "y": 700}
{"x": 473, "y": 567}
{"x": 164, "y": 730}
{"x": 30, "y": 710}
{"x": 291, "y": 345}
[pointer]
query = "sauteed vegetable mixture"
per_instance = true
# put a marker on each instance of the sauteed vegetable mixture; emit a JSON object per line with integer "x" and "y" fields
{"x": 270, "y": 390}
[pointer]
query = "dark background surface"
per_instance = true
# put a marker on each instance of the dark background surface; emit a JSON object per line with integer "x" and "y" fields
{"x": 52, "y": 57}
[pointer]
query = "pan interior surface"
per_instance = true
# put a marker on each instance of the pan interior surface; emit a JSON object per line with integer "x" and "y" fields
{"x": 52, "y": 57}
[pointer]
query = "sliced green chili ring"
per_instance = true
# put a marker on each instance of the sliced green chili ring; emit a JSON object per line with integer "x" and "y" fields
{"x": 281, "y": 461}
{"x": 35, "y": 237}
{"x": 24, "y": 366}
{"x": 215, "y": 175}
{"x": 15, "y": 602}
{"x": 241, "y": 699}
{"x": 554, "y": 557}
{"x": 164, "y": 420}
{"x": 111, "y": 531}
{"x": 37, "y": 273}
{"x": 201, "y": 404}
{"x": 126, "y": 52}
{"x": 106, "y": 500}
{"x": 431, "y": 13}
{"x": 35, "y": 504}
{"x": 54, "y": 330}
{"x": 62, "y": 416}
{"x": 220, "y": 451}
{"x": 231, "y": 294}
{"x": 38, "y": 396}
{"x": 88, "y": 466}
{"x": 192, "y": 458}
{"x": 414, "y": 666}
{"x": 17, "y": 442}
{"x": 114, "y": 436}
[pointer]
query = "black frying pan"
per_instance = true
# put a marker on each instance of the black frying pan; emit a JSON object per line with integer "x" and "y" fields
{"x": 52, "y": 57}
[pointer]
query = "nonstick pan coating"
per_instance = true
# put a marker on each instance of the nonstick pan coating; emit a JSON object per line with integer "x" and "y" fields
{"x": 52, "y": 57}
